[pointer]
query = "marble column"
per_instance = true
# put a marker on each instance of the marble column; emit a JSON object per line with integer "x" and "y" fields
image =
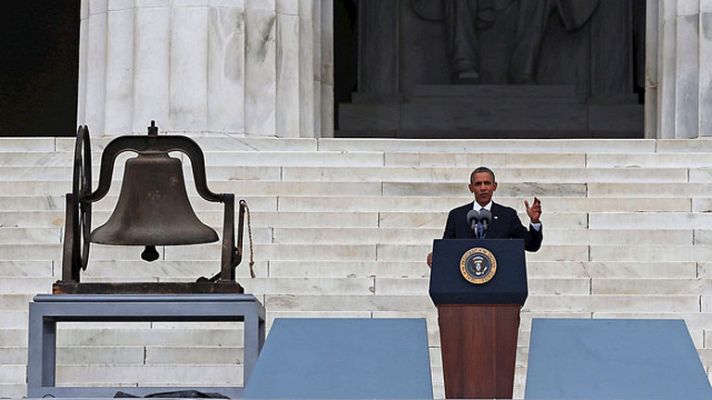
{"x": 241, "y": 67}
{"x": 679, "y": 69}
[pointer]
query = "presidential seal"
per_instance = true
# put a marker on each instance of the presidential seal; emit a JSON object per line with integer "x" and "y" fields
{"x": 478, "y": 265}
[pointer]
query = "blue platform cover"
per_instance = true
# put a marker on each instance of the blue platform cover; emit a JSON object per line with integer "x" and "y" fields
{"x": 614, "y": 359}
{"x": 343, "y": 358}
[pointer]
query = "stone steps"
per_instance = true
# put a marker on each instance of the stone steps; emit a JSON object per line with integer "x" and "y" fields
{"x": 341, "y": 229}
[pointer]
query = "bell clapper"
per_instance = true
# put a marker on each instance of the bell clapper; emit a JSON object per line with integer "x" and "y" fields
{"x": 150, "y": 254}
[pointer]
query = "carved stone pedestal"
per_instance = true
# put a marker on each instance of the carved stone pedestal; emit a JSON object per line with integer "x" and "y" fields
{"x": 493, "y": 111}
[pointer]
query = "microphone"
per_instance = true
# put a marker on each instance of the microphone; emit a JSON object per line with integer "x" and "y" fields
{"x": 473, "y": 216}
{"x": 485, "y": 218}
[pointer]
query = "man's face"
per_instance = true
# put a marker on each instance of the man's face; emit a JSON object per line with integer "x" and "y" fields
{"x": 483, "y": 186}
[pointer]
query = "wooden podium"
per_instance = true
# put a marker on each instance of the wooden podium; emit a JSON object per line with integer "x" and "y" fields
{"x": 479, "y": 321}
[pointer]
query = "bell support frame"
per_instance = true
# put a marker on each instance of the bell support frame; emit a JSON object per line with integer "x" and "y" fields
{"x": 78, "y": 214}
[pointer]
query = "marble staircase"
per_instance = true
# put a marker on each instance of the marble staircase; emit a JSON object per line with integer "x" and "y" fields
{"x": 342, "y": 227}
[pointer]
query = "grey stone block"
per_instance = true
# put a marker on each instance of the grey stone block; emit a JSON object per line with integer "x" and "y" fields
{"x": 193, "y": 354}
{"x": 13, "y": 355}
{"x": 150, "y": 375}
{"x": 13, "y": 390}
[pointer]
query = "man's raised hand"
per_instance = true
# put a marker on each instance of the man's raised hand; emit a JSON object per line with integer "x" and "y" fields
{"x": 534, "y": 212}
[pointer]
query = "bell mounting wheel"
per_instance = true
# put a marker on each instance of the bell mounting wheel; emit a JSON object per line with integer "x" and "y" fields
{"x": 81, "y": 188}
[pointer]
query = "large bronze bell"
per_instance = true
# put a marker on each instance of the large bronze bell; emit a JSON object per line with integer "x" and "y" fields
{"x": 153, "y": 207}
{"x": 153, "y": 210}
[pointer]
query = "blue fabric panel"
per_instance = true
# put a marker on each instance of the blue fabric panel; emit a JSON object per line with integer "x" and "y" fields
{"x": 343, "y": 358}
{"x": 614, "y": 359}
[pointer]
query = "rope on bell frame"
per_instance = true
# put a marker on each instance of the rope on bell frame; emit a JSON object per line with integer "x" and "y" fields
{"x": 249, "y": 235}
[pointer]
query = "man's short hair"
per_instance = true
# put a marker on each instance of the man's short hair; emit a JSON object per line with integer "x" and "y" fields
{"x": 482, "y": 169}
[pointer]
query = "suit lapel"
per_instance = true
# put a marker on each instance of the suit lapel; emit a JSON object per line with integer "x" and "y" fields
{"x": 493, "y": 231}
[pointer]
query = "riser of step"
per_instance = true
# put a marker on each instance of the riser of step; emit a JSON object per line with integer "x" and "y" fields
{"x": 114, "y": 355}
{"x": 363, "y": 252}
{"x": 213, "y": 142}
{"x": 150, "y": 375}
{"x": 426, "y": 159}
{"x": 212, "y": 159}
{"x": 101, "y": 336}
{"x": 140, "y": 270}
{"x": 535, "y": 269}
{"x": 400, "y": 286}
{"x": 293, "y": 219}
{"x": 559, "y": 160}
{"x": 17, "y": 321}
{"x": 224, "y": 142}
{"x": 134, "y": 356}
{"x": 156, "y": 375}
{"x": 341, "y": 189}
{"x": 425, "y": 236}
{"x": 416, "y": 236}
{"x": 36, "y": 221}
{"x": 129, "y": 335}
{"x": 416, "y": 286}
{"x": 334, "y": 159}
{"x": 394, "y": 145}
{"x": 410, "y": 189}
{"x": 63, "y": 174}
{"x": 14, "y": 390}
{"x": 554, "y": 303}
{"x": 346, "y": 204}
{"x": 687, "y": 303}
{"x": 179, "y": 340}
{"x": 19, "y": 390}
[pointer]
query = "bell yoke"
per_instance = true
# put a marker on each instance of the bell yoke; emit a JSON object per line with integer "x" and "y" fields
{"x": 153, "y": 209}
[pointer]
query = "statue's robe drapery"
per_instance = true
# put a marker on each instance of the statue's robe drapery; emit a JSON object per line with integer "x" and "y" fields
{"x": 462, "y": 19}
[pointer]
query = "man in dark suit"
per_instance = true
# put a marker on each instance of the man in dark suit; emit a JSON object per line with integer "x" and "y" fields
{"x": 505, "y": 222}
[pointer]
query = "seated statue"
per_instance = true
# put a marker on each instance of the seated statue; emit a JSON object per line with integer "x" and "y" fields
{"x": 465, "y": 18}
